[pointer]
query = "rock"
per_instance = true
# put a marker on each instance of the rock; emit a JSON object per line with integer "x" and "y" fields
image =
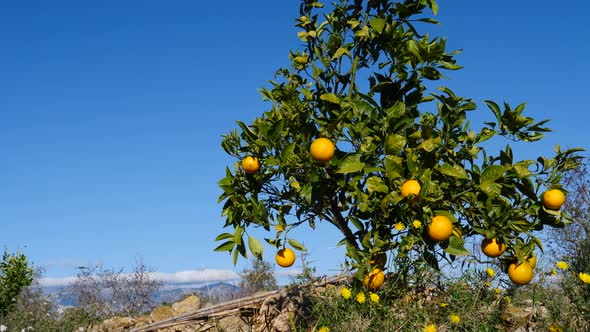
{"x": 161, "y": 313}
{"x": 189, "y": 304}
{"x": 279, "y": 311}
{"x": 515, "y": 317}
{"x": 118, "y": 324}
{"x": 231, "y": 323}
{"x": 142, "y": 320}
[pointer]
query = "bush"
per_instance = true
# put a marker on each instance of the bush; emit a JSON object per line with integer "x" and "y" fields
{"x": 104, "y": 292}
{"x": 35, "y": 311}
{"x": 260, "y": 277}
{"x": 15, "y": 275}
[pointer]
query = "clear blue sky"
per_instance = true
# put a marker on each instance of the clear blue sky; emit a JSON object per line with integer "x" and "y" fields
{"x": 111, "y": 114}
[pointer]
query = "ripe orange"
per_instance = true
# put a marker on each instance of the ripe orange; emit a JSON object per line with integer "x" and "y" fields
{"x": 493, "y": 247}
{"x": 410, "y": 187}
{"x": 250, "y": 165}
{"x": 285, "y": 257}
{"x": 322, "y": 149}
{"x": 553, "y": 199}
{"x": 379, "y": 260}
{"x": 440, "y": 228}
{"x": 532, "y": 260}
{"x": 521, "y": 274}
{"x": 374, "y": 280}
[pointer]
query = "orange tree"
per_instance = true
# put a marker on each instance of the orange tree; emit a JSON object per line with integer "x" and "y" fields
{"x": 357, "y": 86}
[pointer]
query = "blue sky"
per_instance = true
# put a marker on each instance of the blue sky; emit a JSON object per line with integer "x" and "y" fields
{"x": 111, "y": 114}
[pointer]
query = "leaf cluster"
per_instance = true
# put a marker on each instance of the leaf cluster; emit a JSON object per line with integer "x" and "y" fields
{"x": 359, "y": 80}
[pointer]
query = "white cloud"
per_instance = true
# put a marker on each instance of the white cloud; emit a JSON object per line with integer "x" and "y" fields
{"x": 200, "y": 276}
{"x": 48, "y": 282}
{"x": 181, "y": 277}
{"x": 195, "y": 276}
{"x": 287, "y": 273}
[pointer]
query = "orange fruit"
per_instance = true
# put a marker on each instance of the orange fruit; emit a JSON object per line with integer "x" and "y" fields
{"x": 492, "y": 247}
{"x": 285, "y": 257}
{"x": 379, "y": 260}
{"x": 440, "y": 228}
{"x": 410, "y": 187}
{"x": 520, "y": 274}
{"x": 250, "y": 165}
{"x": 322, "y": 149}
{"x": 374, "y": 280}
{"x": 532, "y": 260}
{"x": 553, "y": 199}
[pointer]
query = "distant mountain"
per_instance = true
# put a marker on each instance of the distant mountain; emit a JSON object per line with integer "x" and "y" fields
{"x": 212, "y": 293}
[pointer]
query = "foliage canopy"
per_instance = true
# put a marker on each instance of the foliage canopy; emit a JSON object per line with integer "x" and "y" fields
{"x": 360, "y": 80}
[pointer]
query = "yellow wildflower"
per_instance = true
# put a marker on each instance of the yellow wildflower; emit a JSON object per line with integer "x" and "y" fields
{"x": 417, "y": 224}
{"x": 323, "y": 329}
{"x": 585, "y": 277}
{"x": 562, "y": 265}
{"x": 374, "y": 297}
{"x": 498, "y": 290}
{"x": 490, "y": 272}
{"x": 360, "y": 298}
{"x": 443, "y": 305}
{"x": 454, "y": 319}
{"x": 399, "y": 226}
{"x": 430, "y": 328}
{"x": 555, "y": 328}
{"x": 488, "y": 284}
{"x": 554, "y": 272}
{"x": 345, "y": 292}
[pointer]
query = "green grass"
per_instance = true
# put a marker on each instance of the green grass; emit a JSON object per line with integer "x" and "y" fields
{"x": 467, "y": 303}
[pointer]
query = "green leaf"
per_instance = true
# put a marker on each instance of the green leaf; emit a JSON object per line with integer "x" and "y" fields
{"x": 449, "y": 65}
{"x": 255, "y": 246}
{"x": 493, "y": 172}
{"x": 378, "y": 24}
{"x": 397, "y": 110}
{"x": 238, "y": 235}
{"x": 485, "y": 134}
{"x": 431, "y": 260}
{"x": 491, "y": 188}
{"x": 226, "y": 246}
{"x": 362, "y": 32}
{"x": 351, "y": 164}
{"x": 394, "y": 144}
{"x": 522, "y": 168}
{"x": 495, "y": 109}
{"x": 430, "y": 144}
{"x": 247, "y": 132}
{"x": 287, "y": 152}
{"x": 433, "y": 6}
{"x": 538, "y": 242}
{"x": 375, "y": 184}
{"x": 235, "y": 256}
{"x": 340, "y": 52}
{"x": 393, "y": 167}
{"x": 330, "y": 97}
{"x": 456, "y": 247}
{"x": 223, "y": 236}
{"x": 447, "y": 214}
{"x": 455, "y": 171}
{"x": 296, "y": 245}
